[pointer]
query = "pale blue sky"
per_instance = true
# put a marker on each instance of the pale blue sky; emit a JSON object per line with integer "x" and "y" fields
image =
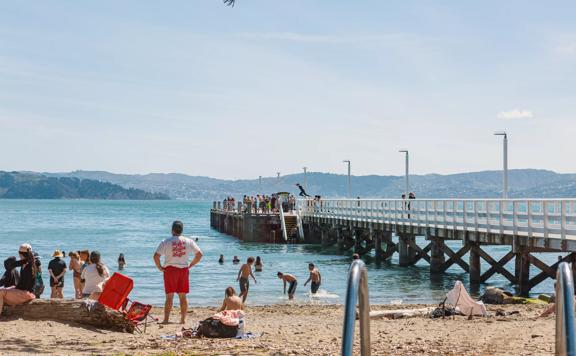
{"x": 267, "y": 86}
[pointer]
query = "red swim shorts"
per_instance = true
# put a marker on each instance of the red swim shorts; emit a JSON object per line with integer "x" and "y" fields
{"x": 176, "y": 280}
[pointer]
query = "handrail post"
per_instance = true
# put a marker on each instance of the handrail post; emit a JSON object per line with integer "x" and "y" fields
{"x": 565, "y": 337}
{"x": 357, "y": 291}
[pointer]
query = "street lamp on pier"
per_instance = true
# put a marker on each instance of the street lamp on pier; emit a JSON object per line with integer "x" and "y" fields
{"x": 407, "y": 174}
{"x": 505, "y": 162}
{"x": 349, "y": 180}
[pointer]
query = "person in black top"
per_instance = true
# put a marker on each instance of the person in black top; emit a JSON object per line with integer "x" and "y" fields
{"x": 24, "y": 291}
{"x": 11, "y": 276}
{"x": 302, "y": 191}
{"x": 57, "y": 270}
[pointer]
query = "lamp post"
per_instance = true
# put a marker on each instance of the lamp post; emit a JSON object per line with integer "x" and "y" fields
{"x": 305, "y": 178}
{"x": 505, "y": 162}
{"x": 407, "y": 174}
{"x": 349, "y": 180}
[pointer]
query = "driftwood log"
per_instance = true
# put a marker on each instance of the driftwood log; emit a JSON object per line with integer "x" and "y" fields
{"x": 82, "y": 312}
{"x": 401, "y": 313}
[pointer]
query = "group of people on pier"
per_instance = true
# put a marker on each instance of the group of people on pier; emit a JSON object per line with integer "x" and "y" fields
{"x": 266, "y": 204}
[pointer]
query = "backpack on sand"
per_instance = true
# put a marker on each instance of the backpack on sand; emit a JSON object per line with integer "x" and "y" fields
{"x": 214, "y": 328}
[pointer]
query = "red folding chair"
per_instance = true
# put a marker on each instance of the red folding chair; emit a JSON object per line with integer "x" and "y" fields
{"x": 115, "y": 296}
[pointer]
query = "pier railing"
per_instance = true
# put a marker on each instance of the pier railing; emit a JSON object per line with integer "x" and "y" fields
{"x": 565, "y": 331}
{"x": 357, "y": 291}
{"x": 549, "y": 218}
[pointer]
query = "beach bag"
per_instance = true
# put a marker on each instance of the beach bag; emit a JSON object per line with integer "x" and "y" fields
{"x": 38, "y": 285}
{"x": 214, "y": 328}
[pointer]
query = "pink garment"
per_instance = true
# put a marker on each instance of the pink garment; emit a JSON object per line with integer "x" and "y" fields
{"x": 229, "y": 317}
{"x": 463, "y": 302}
{"x": 13, "y": 296}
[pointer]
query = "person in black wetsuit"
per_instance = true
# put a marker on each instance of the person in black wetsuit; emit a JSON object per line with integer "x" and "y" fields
{"x": 24, "y": 291}
{"x": 302, "y": 191}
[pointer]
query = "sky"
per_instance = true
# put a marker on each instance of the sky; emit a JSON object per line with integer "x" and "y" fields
{"x": 267, "y": 86}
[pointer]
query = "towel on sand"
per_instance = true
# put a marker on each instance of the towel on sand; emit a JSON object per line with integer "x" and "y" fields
{"x": 463, "y": 302}
{"x": 229, "y": 317}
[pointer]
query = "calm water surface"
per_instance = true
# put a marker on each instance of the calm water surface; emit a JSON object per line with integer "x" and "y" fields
{"x": 136, "y": 227}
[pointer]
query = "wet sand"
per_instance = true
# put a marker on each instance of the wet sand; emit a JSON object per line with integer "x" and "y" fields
{"x": 297, "y": 330}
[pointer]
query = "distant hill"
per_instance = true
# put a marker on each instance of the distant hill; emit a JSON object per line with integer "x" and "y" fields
{"x": 524, "y": 183}
{"x": 15, "y": 185}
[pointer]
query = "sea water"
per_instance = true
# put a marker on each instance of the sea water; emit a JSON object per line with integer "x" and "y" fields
{"x": 135, "y": 228}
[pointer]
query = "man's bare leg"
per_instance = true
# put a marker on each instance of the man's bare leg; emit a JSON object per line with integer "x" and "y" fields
{"x": 168, "y": 307}
{"x": 183, "y": 307}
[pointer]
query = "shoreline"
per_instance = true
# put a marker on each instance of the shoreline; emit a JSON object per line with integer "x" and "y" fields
{"x": 298, "y": 329}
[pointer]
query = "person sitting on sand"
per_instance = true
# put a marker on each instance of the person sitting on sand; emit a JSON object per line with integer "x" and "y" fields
{"x": 11, "y": 276}
{"x": 57, "y": 270}
{"x": 231, "y": 301}
{"x": 121, "y": 262}
{"x": 291, "y": 280}
{"x": 258, "y": 266}
{"x": 75, "y": 265}
{"x": 24, "y": 290}
{"x": 235, "y": 260}
{"x": 94, "y": 276}
{"x": 244, "y": 274}
{"x": 221, "y": 259}
{"x": 315, "y": 278}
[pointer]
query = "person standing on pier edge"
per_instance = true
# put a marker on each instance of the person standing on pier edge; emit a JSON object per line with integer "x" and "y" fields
{"x": 176, "y": 250}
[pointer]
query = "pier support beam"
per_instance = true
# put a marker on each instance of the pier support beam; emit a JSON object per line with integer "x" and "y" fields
{"x": 406, "y": 252}
{"x": 474, "y": 263}
{"x": 523, "y": 272}
{"x": 437, "y": 258}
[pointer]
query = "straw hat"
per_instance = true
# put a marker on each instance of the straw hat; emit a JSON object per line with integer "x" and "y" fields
{"x": 25, "y": 247}
{"x": 57, "y": 253}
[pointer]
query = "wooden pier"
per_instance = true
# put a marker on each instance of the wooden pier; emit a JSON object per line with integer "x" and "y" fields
{"x": 391, "y": 226}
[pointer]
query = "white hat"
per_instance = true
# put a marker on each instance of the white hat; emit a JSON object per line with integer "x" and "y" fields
{"x": 25, "y": 247}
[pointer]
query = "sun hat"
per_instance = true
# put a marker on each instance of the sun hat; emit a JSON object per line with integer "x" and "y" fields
{"x": 25, "y": 247}
{"x": 58, "y": 253}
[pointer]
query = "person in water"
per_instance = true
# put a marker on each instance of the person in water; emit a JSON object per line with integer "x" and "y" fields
{"x": 24, "y": 290}
{"x": 121, "y": 262}
{"x": 57, "y": 270}
{"x": 258, "y": 266}
{"x": 176, "y": 269}
{"x": 221, "y": 259}
{"x": 244, "y": 274}
{"x": 315, "y": 278}
{"x": 231, "y": 301}
{"x": 289, "y": 279}
{"x": 11, "y": 275}
{"x": 235, "y": 260}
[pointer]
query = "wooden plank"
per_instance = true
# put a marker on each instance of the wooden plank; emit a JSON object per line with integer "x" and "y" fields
{"x": 422, "y": 253}
{"x": 392, "y": 247}
{"x": 534, "y": 281}
{"x": 455, "y": 257}
{"x": 543, "y": 267}
{"x": 497, "y": 266}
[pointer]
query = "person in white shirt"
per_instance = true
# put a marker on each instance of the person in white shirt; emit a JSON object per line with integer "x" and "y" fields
{"x": 94, "y": 276}
{"x": 176, "y": 251}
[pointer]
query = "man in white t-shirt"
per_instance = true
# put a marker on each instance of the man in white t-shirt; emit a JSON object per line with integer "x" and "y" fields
{"x": 176, "y": 251}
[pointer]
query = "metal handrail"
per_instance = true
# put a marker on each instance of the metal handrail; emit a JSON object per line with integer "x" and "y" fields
{"x": 565, "y": 336}
{"x": 282, "y": 222}
{"x": 357, "y": 291}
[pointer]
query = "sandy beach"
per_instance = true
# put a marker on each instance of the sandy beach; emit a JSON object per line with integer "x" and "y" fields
{"x": 297, "y": 330}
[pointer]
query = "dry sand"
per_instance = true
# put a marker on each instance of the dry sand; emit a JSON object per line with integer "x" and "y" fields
{"x": 298, "y": 330}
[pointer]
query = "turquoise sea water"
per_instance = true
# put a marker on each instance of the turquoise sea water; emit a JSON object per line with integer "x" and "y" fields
{"x": 136, "y": 227}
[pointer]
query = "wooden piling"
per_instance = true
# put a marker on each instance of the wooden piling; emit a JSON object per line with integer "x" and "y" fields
{"x": 437, "y": 257}
{"x": 406, "y": 253}
{"x": 474, "y": 263}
